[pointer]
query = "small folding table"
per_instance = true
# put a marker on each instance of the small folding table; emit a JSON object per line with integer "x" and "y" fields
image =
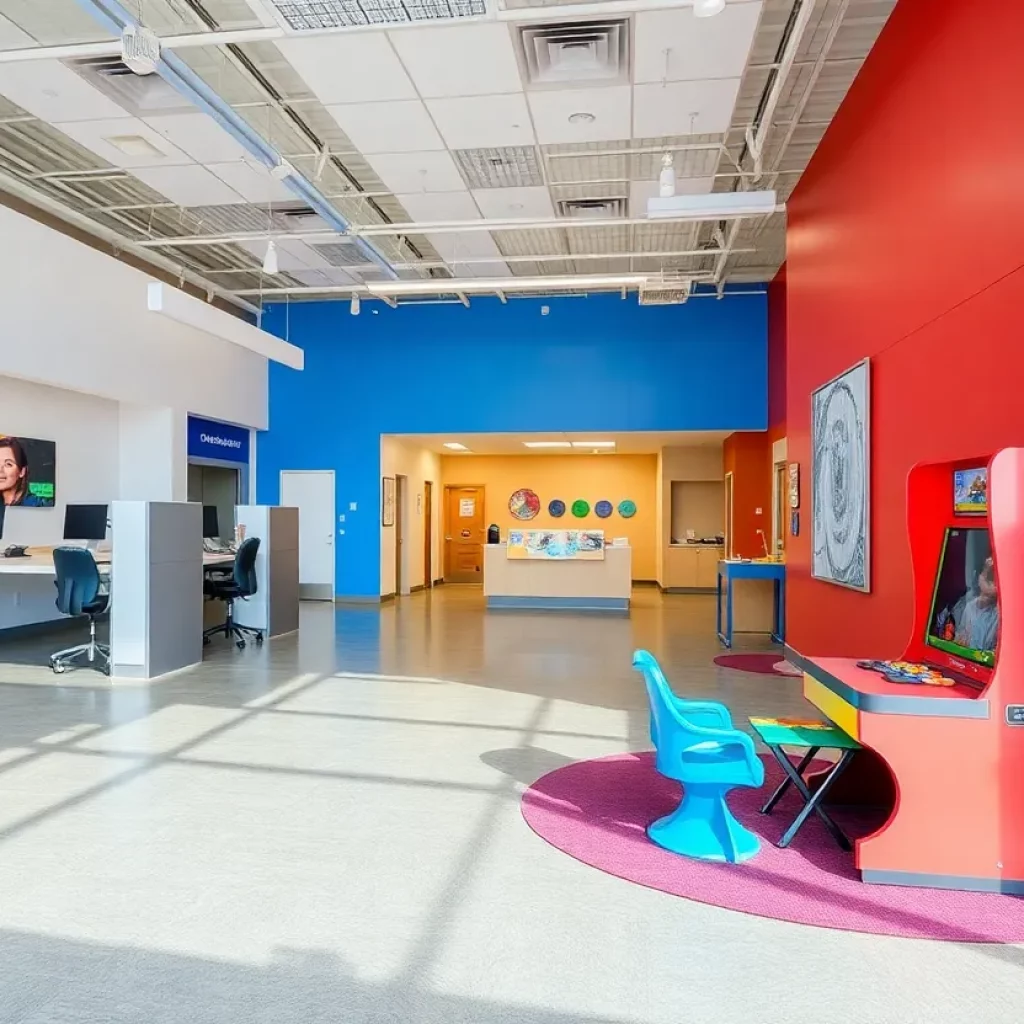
{"x": 811, "y": 737}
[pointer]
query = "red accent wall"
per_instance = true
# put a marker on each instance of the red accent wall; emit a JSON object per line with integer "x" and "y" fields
{"x": 748, "y": 456}
{"x": 905, "y": 245}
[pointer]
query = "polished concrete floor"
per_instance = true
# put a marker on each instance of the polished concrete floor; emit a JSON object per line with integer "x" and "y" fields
{"x": 327, "y": 830}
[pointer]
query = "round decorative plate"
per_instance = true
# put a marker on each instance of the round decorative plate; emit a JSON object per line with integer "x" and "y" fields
{"x": 627, "y": 509}
{"x": 603, "y": 509}
{"x": 580, "y": 509}
{"x": 524, "y": 504}
{"x": 556, "y": 508}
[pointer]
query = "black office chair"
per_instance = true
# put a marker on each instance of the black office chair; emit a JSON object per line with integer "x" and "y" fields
{"x": 80, "y": 591}
{"x": 240, "y": 584}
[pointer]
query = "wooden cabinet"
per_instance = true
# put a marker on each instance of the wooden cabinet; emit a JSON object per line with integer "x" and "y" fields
{"x": 691, "y": 567}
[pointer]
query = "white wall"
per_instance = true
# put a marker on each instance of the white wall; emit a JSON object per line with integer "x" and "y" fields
{"x": 417, "y": 465}
{"x": 78, "y": 319}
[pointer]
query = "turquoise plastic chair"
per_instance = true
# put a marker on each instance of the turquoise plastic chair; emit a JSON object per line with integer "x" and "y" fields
{"x": 696, "y": 744}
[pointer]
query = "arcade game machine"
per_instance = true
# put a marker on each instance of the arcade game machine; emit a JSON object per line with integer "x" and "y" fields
{"x": 943, "y": 728}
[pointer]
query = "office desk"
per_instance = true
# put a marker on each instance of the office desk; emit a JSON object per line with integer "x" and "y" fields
{"x": 40, "y": 563}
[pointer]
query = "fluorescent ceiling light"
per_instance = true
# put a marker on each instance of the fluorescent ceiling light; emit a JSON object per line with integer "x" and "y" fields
{"x": 547, "y": 444}
{"x": 593, "y": 444}
{"x": 456, "y": 446}
{"x": 713, "y": 205}
{"x": 134, "y": 145}
{"x": 192, "y": 312}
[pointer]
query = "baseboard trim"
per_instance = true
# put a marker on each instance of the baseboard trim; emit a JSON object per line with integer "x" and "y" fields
{"x": 417, "y": 588}
{"x": 357, "y": 599}
{"x": 645, "y": 583}
{"x": 962, "y": 883}
{"x": 687, "y": 590}
{"x": 566, "y": 604}
{"x": 384, "y": 598}
{"x": 316, "y": 592}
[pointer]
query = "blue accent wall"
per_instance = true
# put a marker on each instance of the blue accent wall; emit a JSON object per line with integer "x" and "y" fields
{"x": 598, "y": 363}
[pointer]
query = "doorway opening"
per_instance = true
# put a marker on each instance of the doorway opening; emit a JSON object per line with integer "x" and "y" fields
{"x": 219, "y": 486}
{"x": 464, "y": 534}
{"x": 729, "y": 553}
{"x": 780, "y": 495}
{"x": 428, "y": 534}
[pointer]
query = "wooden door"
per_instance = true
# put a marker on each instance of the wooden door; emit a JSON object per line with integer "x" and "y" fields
{"x": 428, "y": 533}
{"x": 464, "y": 535}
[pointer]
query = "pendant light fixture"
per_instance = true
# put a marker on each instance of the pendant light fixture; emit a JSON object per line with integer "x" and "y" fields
{"x": 707, "y": 8}
{"x": 270, "y": 265}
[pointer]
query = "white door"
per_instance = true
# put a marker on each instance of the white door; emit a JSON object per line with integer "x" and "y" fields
{"x": 312, "y": 493}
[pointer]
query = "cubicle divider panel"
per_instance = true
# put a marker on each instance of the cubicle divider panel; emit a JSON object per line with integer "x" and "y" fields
{"x": 275, "y": 605}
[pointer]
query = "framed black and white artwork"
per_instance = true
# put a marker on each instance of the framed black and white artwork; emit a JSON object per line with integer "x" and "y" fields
{"x": 841, "y": 479}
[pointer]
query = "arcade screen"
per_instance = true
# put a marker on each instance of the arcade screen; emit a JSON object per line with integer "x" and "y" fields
{"x": 28, "y": 471}
{"x": 964, "y": 618}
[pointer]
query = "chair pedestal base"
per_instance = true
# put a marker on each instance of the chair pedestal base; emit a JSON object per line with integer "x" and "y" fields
{"x": 703, "y": 827}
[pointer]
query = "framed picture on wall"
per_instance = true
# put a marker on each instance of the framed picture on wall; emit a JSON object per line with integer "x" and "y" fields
{"x": 794, "y": 485}
{"x": 841, "y": 479}
{"x": 387, "y": 512}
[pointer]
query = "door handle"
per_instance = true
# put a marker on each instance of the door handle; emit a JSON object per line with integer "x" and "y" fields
{"x": 447, "y": 538}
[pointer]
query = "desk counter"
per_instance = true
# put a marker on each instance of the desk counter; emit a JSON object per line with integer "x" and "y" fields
{"x": 567, "y": 583}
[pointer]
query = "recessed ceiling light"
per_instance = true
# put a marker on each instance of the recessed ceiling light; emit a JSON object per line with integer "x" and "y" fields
{"x": 582, "y": 117}
{"x": 593, "y": 444}
{"x": 456, "y": 446}
{"x": 133, "y": 145}
{"x": 547, "y": 444}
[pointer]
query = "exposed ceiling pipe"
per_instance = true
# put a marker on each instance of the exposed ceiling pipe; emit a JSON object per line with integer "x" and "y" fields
{"x": 114, "y": 17}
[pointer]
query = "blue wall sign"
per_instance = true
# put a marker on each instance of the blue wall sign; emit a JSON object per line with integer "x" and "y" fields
{"x": 208, "y": 439}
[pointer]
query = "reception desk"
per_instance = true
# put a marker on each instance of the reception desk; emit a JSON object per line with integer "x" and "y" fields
{"x": 570, "y": 584}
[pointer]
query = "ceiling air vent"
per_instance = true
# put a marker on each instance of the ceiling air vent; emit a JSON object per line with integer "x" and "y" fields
{"x": 343, "y": 254}
{"x": 666, "y": 289}
{"x": 592, "y": 209}
{"x": 307, "y": 15}
{"x": 141, "y": 95}
{"x": 584, "y": 51}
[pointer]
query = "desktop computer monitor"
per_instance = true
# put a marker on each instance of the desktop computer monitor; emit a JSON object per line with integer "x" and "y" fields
{"x": 211, "y": 527}
{"x": 85, "y": 522}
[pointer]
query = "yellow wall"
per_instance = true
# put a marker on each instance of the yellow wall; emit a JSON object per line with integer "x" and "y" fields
{"x": 590, "y": 477}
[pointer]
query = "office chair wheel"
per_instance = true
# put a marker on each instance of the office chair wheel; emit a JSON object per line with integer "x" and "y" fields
{"x": 259, "y": 639}
{"x": 58, "y": 668}
{"x": 240, "y": 645}
{"x": 206, "y": 641}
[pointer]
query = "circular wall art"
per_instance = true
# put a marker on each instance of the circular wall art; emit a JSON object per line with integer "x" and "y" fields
{"x": 524, "y": 504}
{"x": 556, "y": 508}
{"x": 627, "y": 509}
{"x": 603, "y": 509}
{"x": 580, "y": 508}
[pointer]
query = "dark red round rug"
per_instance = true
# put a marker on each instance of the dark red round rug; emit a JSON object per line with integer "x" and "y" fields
{"x": 762, "y": 663}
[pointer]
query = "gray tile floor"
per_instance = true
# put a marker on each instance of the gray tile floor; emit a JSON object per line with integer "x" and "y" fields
{"x": 328, "y": 830}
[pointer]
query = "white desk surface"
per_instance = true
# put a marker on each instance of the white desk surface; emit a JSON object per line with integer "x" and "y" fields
{"x": 42, "y": 564}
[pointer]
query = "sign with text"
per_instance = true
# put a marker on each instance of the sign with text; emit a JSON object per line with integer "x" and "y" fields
{"x": 208, "y": 439}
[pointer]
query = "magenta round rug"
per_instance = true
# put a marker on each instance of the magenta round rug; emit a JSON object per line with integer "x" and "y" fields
{"x": 763, "y": 663}
{"x": 597, "y": 812}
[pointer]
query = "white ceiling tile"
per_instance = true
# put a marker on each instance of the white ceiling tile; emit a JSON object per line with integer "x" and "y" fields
{"x": 252, "y": 183}
{"x": 286, "y": 261}
{"x": 463, "y": 60}
{"x": 292, "y": 254}
{"x": 436, "y": 206}
{"x": 697, "y": 47}
{"x": 342, "y": 68}
{"x": 417, "y": 172}
{"x": 452, "y": 245}
{"x": 476, "y": 122}
{"x": 398, "y": 126}
{"x": 199, "y": 136}
{"x": 553, "y": 108}
{"x": 95, "y": 135}
{"x": 322, "y": 278}
{"x": 55, "y": 93}
{"x": 488, "y": 269}
{"x": 684, "y": 108}
{"x": 12, "y": 37}
{"x": 508, "y": 203}
{"x": 641, "y": 191}
{"x": 188, "y": 186}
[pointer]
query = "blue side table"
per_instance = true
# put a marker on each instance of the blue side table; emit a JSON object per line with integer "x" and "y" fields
{"x": 733, "y": 570}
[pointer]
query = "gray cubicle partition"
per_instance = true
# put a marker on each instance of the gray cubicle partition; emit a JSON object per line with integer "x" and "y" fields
{"x": 275, "y": 606}
{"x": 156, "y": 615}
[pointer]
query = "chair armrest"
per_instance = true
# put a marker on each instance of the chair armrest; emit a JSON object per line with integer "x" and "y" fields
{"x": 705, "y": 712}
{"x": 733, "y": 738}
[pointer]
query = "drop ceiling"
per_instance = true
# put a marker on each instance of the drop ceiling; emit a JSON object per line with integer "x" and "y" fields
{"x": 461, "y": 139}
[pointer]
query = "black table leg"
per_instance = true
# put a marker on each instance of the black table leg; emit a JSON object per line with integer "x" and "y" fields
{"x": 780, "y": 791}
{"x": 814, "y": 801}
